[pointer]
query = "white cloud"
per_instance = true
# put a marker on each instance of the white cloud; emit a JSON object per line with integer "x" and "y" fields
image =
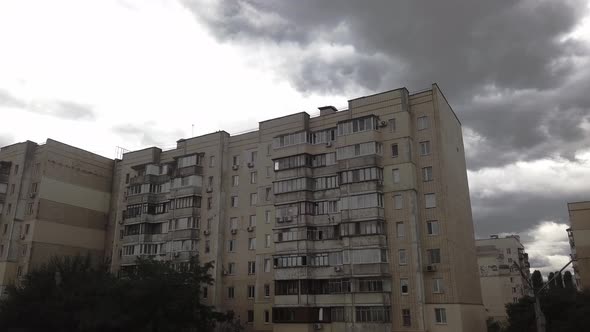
{"x": 548, "y": 247}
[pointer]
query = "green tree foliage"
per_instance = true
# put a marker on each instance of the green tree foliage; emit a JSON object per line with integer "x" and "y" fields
{"x": 565, "y": 310}
{"x": 72, "y": 294}
{"x": 537, "y": 280}
{"x": 568, "y": 280}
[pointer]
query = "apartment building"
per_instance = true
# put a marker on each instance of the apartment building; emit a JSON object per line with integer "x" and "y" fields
{"x": 350, "y": 220}
{"x": 501, "y": 280}
{"x": 579, "y": 236}
{"x": 54, "y": 201}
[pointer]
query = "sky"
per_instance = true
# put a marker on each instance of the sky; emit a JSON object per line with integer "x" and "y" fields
{"x": 102, "y": 74}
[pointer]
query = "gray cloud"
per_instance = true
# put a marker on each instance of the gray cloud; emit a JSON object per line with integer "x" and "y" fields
{"x": 63, "y": 109}
{"x": 6, "y": 140}
{"x": 145, "y": 134}
{"x": 514, "y": 53}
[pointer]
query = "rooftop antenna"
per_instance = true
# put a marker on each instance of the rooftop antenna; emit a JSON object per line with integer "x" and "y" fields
{"x": 193, "y": 130}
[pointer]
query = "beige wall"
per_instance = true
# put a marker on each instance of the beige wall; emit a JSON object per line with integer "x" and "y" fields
{"x": 580, "y": 225}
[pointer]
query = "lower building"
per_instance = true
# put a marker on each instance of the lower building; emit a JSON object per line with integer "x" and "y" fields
{"x": 579, "y": 236}
{"x": 501, "y": 279}
{"x": 54, "y": 201}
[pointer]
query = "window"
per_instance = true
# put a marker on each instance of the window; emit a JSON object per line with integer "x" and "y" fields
{"x": 251, "y": 267}
{"x": 357, "y": 150}
{"x": 253, "y": 199}
{"x": 267, "y": 194}
{"x": 209, "y": 203}
{"x": 253, "y": 177}
{"x": 406, "y": 317}
{"x": 233, "y": 223}
{"x": 231, "y": 245}
{"x": 440, "y": 315}
{"x": 27, "y": 228}
{"x": 432, "y": 227}
{"x": 513, "y": 290}
{"x": 267, "y": 265}
{"x": 205, "y": 292}
{"x": 29, "y": 209}
{"x": 250, "y": 315}
{"x": 404, "y": 286}
{"x": 3, "y": 188}
{"x": 422, "y": 122}
{"x": 234, "y": 201}
{"x": 351, "y": 202}
{"x": 395, "y": 174}
{"x": 403, "y": 260}
{"x": 9, "y": 209}
{"x": 266, "y": 290}
{"x": 210, "y": 182}
{"x": 511, "y": 279}
{"x": 427, "y": 174}
{"x": 398, "y": 202}
{"x": 188, "y": 161}
{"x": 267, "y": 240}
{"x": 293, "y": 185}
{"x": 430, "y": 201}
{"x": 433, "y": 256}
{"x": 34, "y": 187}
{"x": 15, "y": 169}
{"x": 12, "y": 186}
{"x": 357, "y": 125}
{"x": 266, "y": 316}
{"x": 508, "y": 251}
{"x": 251, "y": 291}
{"x": 211, "y": 161}
{"x": 252, "y": 221}
{"x": 231, "y": 268}
{"x": 267, "y": 216}
{"x": 323, "y": 136}
{"x": 372, "y": 314}
{"x": 394, "y": 150}
{"x": 253, "y": 157}
{"x": 230, "y": 293}
{"x": 236, "y": 160}
{"x": 207, "y": 246}
{"x": 437, "y": 285}
{"x": 392, "y": 125}
{"x": 235, "y": 180}
{"x": 5, "y": 229}
{"x": 291, "y": 139}
{"x": 127, "y": 178}
{"x": 357, "y": 175}
{"x": 400, "y": 229}
{"x": 287, "y": 287}
{"x": 425, "y": 148}
{"x": 252, "y": 243}
{"x": 509, "y": 260}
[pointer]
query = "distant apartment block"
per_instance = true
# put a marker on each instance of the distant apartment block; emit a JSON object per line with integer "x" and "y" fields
{"x": 501, "y": 281}
{"x": 353, "y": 220}
{"x": 579, "y": 236}
{"x": 54, "y": 200}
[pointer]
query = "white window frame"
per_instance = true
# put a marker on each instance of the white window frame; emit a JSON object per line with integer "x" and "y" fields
{"x": 440, "y": 315}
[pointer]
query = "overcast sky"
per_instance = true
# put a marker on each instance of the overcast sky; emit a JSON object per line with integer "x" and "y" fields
{"x": 101, "y": 74}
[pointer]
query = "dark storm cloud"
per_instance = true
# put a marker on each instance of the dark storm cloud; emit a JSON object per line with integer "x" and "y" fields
{"x": 146, "y": 134}
{"x": 515, "y": 211}
{"x": 63, "y": 109}
{"x": 471, "y": 48}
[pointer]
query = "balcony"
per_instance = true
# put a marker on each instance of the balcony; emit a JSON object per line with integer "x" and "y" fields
{"x": 358, "y": 162}
{"x": 298, "y": 172}
{"x": 2, "y": 198}
{"x": 189, "y": 170}
{"x": 362, "y": 187}
{"x": 363, "y": 214}
{"x": 372, "y": 269}
{"x": 295, "y": 196}
{"x": 141, "y": 179}
{"x": 367, "y": 240}
{"x": 186, "y": 212}
{"x": 186, "y": 191}
{"x": 192, "y": 233}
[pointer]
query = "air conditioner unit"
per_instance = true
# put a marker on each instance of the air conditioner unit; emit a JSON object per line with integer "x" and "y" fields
{"x": 32, "y": 195}
{"x": 338, "y": 268}
{"x": 250, "y": 164}
{"x": 250, "y": 229}
{"x": 235, "y": 167}
{"x": 329, "y": 143}
{"x": 318, "y": 326}
{"x": 383, "y": 123}
{"x": 206, "y": 232}
{"x": 430, "y": 268}
{"x": 209, "y": 189}
{"x": 234, "y": 231}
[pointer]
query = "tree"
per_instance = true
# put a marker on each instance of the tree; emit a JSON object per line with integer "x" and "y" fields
{"x": 558, "y": 280}
{"x": 568, "y": 280}
{"x": 551, "y": 281}
{"x": 537, "y": 280}
{"x": 72, "y": 294}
